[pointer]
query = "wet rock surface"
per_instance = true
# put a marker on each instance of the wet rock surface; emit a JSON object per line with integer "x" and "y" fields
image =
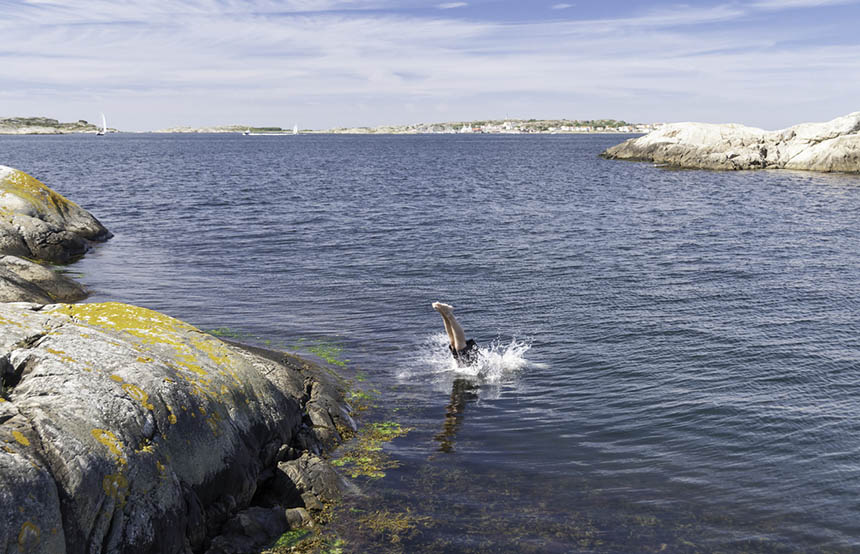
{"x": 830, "y": 146}
{"x": 125, "y": 430}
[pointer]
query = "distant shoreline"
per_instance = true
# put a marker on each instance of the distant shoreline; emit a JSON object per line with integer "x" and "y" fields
{"x": 308, "y": 132}
{"x": 47, "y": 126}
{"x": 501, "y": 127}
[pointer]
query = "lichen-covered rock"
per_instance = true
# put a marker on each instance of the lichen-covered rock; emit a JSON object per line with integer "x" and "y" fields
{"x": 829, "y": 146}
{"x": 38, "y": 223}
{"x": 125, "y": 430}
{"x": 24, "y": 281}
{"x": 29, "y": 502}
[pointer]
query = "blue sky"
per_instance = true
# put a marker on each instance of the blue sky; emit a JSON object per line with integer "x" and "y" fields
{"x": 325, "y": 63}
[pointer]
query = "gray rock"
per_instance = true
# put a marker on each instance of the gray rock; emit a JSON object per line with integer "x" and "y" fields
{"x": 328, "y": 416}
{"x": 311, "y": 502}
{"x": 249, "y": 530}
{"x": 38, "y": 223}
{"x": 129, "y": 431}
{"x": 25, "y": 281}
{"x": 830, "y": 146}
{"x": 298, "y": 517}
{"x": 29, "y": 502}
{"x": 312, "y": 474}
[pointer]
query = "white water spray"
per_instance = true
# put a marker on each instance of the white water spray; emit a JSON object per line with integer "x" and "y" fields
{"x": 497, "y": 360}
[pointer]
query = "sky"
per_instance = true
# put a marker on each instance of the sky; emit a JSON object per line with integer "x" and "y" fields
{"x": 341, "y": 63}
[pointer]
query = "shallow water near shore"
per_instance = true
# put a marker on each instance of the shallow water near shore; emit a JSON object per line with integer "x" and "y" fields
{"x": 671, "y": 356}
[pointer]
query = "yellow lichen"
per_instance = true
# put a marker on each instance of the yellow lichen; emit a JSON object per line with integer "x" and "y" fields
{"x": 63, "y": 356}
{"x": 189, "y": 344}
{"x": 4, "y": 321}
{"x": 21, "y": 439}
{"x": 159, "y": 466}
{"x": 28, "y": 537}
{"x": 113, "y": 444}
{"x": 214, "y": 421}
{"x": 34, "y": 192}
{"x": 116, "y": 378}
{"x": 138, "y": 394}
{"x": 116, "y": 486}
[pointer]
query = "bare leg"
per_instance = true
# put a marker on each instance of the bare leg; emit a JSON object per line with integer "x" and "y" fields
{"x": 448, "y": 330}
{"x": 452, "y": 327}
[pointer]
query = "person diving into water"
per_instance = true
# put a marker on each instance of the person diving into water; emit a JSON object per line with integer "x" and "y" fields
{"x": 464, "y": 351}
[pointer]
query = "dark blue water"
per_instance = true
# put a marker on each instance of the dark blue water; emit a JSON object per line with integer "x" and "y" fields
{"x": 676, "y": 365}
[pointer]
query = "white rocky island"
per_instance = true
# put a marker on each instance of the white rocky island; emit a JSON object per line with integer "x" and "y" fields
{"x": 830, "y": 146}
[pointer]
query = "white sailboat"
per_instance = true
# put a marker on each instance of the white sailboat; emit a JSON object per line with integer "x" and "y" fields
{"x": 295, "y": 129}
{"x": 101, "y": 132}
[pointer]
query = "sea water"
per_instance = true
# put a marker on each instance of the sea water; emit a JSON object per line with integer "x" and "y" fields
{"x": 669, "y": 358}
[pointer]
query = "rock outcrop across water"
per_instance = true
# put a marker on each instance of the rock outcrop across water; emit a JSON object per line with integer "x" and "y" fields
{"x": 43, "y": 126}
{"x": 125, "y": 430}
{"x": 830, "y": 146}
{"x": 40, "y": 224}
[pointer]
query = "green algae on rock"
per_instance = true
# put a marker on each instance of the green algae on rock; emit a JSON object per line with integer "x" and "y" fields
{"x": 123, "y": 429}
{"x": 364, "y": 456}
{"x": 41, "y": 224}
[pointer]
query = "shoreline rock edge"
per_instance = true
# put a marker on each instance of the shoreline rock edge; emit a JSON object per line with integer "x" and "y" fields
{"x": 832, "y": 146}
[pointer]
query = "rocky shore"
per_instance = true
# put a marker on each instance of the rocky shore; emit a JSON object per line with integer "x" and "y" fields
{"x": 125, "y": 430}
{"x": 39, "y": 225}
{"x": 44, "y": 126}
{"x": 829, "y": 146}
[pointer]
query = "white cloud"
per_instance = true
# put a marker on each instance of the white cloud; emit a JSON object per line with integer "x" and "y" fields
{"x": 792, "y": 4}
{"x": 561, "y": 6}
{"x": 451, "y": 5}
{"x": 204, "y": 62}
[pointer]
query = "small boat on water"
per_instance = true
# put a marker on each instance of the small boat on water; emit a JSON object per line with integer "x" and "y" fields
{"x": 295, "y": 129}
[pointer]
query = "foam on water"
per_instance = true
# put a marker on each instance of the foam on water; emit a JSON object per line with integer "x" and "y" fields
{"x": 497, "y": 360}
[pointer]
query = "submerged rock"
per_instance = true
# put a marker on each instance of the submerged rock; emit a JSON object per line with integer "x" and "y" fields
{"x": 829, "y": 146}
{"x": 38, "y": 223}
{"x": 25, "y": 281}
{"x": 125, "y": 430}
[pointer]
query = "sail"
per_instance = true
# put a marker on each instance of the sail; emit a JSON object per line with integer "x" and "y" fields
{"x": 295, "y": 129}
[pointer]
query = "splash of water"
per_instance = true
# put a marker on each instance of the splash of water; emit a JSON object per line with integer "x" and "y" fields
{"x": 497, "y": 360}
